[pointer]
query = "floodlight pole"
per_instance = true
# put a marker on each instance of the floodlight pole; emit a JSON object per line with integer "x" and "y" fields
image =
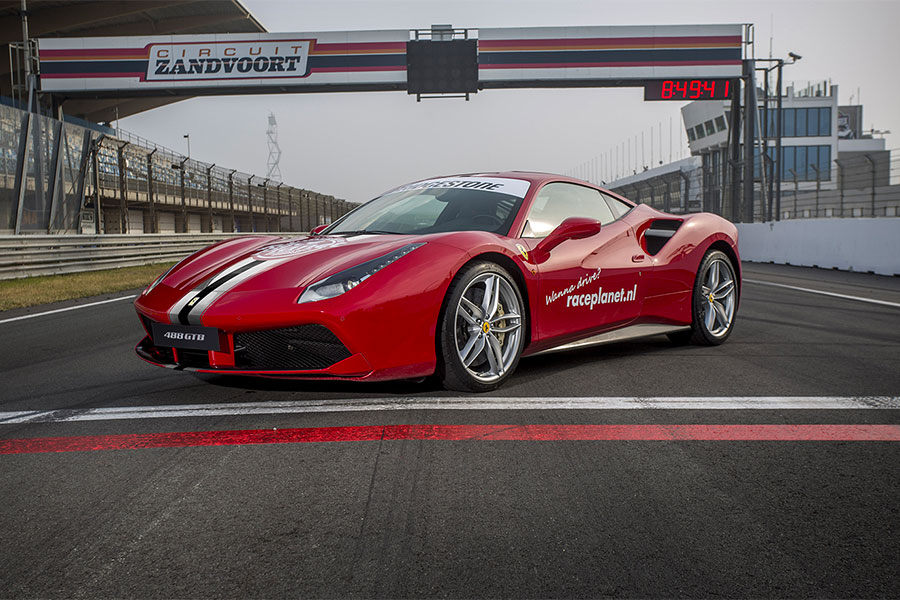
{"x": 26, "y": 42}
{"x": 290, "y": 211}
{"x": 746, "y": 212}
{"x": 231, "y": 199}
{"x": 151, "y": 199}
{"x": 250, "y": 201}
{"x": 123, "y": 188}
{"x": 265, "y": 187}
{"x": 184, "y": 217}
{"x": 735, "y": 159}
{"x": 278, "y": 206}
{"x": 779, "y": 166}
{"x": 209, "y": 199}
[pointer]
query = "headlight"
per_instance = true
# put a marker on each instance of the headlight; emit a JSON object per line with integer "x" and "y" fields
{"x": 348, "y": 279}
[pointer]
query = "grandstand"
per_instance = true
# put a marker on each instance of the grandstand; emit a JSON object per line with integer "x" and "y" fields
{"x": 64, "y": 170}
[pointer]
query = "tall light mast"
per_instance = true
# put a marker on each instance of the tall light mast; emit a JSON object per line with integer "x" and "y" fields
{"x": 274, "y": 171}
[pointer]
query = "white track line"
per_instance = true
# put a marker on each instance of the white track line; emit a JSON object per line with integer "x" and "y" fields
{"x": 820, "y": 292}
{"x": 461, "y": 403}
{"x": 59, "y": 310}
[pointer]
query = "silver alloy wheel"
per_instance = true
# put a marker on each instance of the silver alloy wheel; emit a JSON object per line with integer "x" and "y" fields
{"x": 718, "y": 297}
{"x": 488, "y": 327}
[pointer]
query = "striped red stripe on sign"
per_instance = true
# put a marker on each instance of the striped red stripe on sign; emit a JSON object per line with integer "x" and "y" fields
{"x": 597, "y": 65}
{"x": 528, "y": 433}
{"x": 705, "y": 41}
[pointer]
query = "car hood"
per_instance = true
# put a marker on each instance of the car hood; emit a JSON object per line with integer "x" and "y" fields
{"x": 264, "y": 263}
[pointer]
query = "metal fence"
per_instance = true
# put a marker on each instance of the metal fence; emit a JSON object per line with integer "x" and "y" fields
{"x": 676, "y": 192}
{"x": 59, "y": 177}
{"x": 868, "y": 185}
{"x": 859, "y": 185}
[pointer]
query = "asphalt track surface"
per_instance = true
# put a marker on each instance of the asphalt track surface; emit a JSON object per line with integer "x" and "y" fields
{"x": 398, "y": 497}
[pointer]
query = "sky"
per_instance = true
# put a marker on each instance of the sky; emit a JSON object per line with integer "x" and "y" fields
{"x": 357, "y": 145}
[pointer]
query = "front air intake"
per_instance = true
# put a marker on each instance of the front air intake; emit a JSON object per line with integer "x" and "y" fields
{"x": 302, "y": 348}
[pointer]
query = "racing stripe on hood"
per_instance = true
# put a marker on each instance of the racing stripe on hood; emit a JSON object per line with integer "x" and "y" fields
{"x": 179, "y": 306}
{"x": 192, "y": 314}
{"x": 198, "y": 303}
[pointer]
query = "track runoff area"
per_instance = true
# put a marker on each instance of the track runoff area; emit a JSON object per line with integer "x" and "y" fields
{"x": 763, "y": 467}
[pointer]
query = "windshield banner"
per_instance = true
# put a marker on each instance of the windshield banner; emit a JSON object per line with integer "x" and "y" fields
{"x": 512, "y": 187}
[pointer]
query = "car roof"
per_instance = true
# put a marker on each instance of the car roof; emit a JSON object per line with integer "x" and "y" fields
{"x": 530, "y": 176}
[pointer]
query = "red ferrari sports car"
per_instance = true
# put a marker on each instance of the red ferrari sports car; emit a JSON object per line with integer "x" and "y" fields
{"x": 455, "y": 276}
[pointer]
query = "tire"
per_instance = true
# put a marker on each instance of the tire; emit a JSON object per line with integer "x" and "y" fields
{"x": 477, "y": 354}
{"x": 714, "y": 302}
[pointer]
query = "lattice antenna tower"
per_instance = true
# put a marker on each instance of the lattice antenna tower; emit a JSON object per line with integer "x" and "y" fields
{"x": 274, "y": 171}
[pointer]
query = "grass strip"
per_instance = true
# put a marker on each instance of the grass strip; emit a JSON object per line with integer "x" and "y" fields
{"x": 34, "y": 291}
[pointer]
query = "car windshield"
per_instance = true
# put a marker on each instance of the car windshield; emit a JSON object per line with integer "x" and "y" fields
{"x": 439, "y": 205}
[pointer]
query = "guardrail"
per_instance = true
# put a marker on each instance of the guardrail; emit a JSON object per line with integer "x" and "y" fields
{"x": 32, "y": 255}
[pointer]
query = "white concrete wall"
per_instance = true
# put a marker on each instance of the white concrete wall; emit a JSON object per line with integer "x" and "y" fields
{"x": 848, "y": 244}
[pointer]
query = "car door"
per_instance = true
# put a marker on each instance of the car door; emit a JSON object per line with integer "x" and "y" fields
{"x": 586, "y": 284}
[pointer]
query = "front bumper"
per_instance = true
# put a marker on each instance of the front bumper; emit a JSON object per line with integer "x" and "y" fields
{"x": 311, "y": 351}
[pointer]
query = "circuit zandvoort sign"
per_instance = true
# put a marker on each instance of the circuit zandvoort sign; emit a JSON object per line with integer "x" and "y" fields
{"x": 199, "y": 61}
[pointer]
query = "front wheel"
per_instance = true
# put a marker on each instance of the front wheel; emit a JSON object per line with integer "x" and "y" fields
{"x": 482, "y": 329}
{"x": 714, "y": 303}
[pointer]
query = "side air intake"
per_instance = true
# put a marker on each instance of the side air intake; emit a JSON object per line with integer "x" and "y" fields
{"x": 659, "y": 233}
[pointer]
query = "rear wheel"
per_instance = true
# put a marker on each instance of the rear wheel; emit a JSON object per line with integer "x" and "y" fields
{"x": 714, "y": 303}
{"x": 482, "y": 329}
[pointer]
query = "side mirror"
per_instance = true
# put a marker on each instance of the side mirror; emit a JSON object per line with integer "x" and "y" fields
{"x": 318, "y": 230}
{"x": 573, "y": 228}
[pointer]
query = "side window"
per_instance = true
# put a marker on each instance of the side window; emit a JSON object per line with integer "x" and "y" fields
{"x": 556, "y": 202}
{"x": 618, "y": 207}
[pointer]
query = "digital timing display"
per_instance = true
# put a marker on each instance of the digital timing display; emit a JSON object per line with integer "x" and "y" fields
{"x": 688, "y": 89}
